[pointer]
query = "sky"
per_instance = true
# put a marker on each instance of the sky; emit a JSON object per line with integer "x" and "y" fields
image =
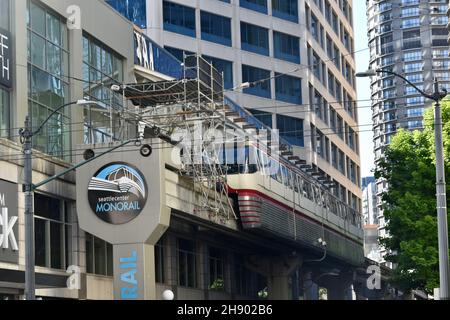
{"x": 363, "y": 88}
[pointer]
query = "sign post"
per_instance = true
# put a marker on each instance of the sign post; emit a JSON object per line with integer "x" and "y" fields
{"x": 121, "y": 199}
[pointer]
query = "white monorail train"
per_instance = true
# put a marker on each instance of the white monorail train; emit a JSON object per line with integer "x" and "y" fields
{"x": 275, "y": 196}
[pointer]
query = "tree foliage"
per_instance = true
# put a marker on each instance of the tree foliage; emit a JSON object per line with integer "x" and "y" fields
{"x": 409, "y": 204}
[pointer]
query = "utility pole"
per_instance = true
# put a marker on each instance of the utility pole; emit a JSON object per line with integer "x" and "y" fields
{"x": 441, "y": 200}
{"x": 26, "y": 138}
{"x": 27, "y": 135}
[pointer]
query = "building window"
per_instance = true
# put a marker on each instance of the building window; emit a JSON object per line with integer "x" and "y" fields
{"x": 133, "y": 10}
{"x": 264, "y": 117}
{"x": 179, "y": 19}
{"x": 351, "y": 138}
{"x": 410, "y": 23}
{"x": 416, "y": 124}
{"x": 53, "y": 232}
{"x": 251, "y": 74}
{"x": 412, "y": 55}
{"x": 187, "y": 265}
{"x": 417, "y": 77}
{"x": 440, "y": 53}
{"x": 334, "y": 155}
{"x": 340, "y": 127}
{"x": 256, "y": 5}
{"x": 415, "y": 100}
{"x": 413, "y": 67}
{"x": 48, "y": 66}
{"x": 4, "y": 113}
{"x": 314, "y": 28}
{"x": 285, "y": 9}
{"x": 414, "y": 112}
{"x": 320, "y": 144}
{"x": 101, "y": 68}
{"x": 99, "y": 256}
{"x": 331, "y": 83}
{"x": 288, "y": 88}
{"x": 286, "y": 47}
{"x": 178, "y": 53}
{"x": 254, "y": 38}
{"x": 291, "y": 129}
{"x": 216, "y": 269}
{"x": 411, "y": 90}
{"x": 4, "y": 14}
{"x": 225, "y": 67}
{"x": 216, "y": 28}
{"x": 159, "y": 261}
{"x": 341, "y": 163}
{"x": 243, "y": 278}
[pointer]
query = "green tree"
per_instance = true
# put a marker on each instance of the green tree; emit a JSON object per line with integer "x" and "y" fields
{"x": 410, "y": 203}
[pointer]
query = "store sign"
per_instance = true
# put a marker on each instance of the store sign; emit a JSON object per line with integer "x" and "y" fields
{"x": 5, "y": 58}
{"x": 117, "y": 193}
{"x": 8, "y": 222}
{"x": 143, "y": 55}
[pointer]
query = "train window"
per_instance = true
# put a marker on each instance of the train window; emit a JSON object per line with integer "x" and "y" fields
{"x": 295, "y": 182}
{"x": 274, "y": 174}
{"x": 279, "y": 176}
{"x": 285, "y": 175}
{"x": 232, "y": 169}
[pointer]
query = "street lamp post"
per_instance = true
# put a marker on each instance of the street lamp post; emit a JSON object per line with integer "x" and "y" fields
{"x": 441, "y": 199}
{"x": 26, "y": 135}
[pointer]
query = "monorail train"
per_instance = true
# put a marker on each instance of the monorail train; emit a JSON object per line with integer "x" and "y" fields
{"x": 275, "y": 196}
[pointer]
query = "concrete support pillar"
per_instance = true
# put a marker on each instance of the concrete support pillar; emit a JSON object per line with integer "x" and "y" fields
{"x": 278, "y": 271}
{"x": 359, "y": 291}
{"x": 280, "y": 279}
{"x": 310, "y": 289}
{"x": 339, "y": 288}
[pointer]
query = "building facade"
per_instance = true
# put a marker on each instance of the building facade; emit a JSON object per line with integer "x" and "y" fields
{"x": 47, "y": 62}
{"x": 302, "y": 49}
{"x": 409, "y": 38}
{"x": 65, "y": 51}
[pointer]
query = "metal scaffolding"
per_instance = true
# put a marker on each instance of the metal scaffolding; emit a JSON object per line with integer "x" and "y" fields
{"x": 188, "y": 109}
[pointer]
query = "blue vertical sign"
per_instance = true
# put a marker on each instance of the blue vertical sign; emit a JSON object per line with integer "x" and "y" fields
{"x": 128, "y": 276}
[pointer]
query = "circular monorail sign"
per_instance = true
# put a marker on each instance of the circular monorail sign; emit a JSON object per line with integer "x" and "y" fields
{"x": 117, "y": 193}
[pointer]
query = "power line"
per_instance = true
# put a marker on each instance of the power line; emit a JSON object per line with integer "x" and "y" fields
{"x": 334, "y": 133}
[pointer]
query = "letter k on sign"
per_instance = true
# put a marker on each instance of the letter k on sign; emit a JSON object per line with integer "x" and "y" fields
{"x": 7, "y": 234}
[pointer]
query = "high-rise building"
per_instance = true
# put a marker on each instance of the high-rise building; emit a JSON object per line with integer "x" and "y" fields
{"x": 408, "y": 37}
{"x": 302, "y": 50}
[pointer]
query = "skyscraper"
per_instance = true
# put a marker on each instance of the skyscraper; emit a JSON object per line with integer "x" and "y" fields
{"x": 302, "y": 50}
{"x": 408, "y": 37}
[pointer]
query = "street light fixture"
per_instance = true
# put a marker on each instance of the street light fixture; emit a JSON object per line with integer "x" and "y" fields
{"x": 26, "y": 137}
{"x": 441, "y": 198}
